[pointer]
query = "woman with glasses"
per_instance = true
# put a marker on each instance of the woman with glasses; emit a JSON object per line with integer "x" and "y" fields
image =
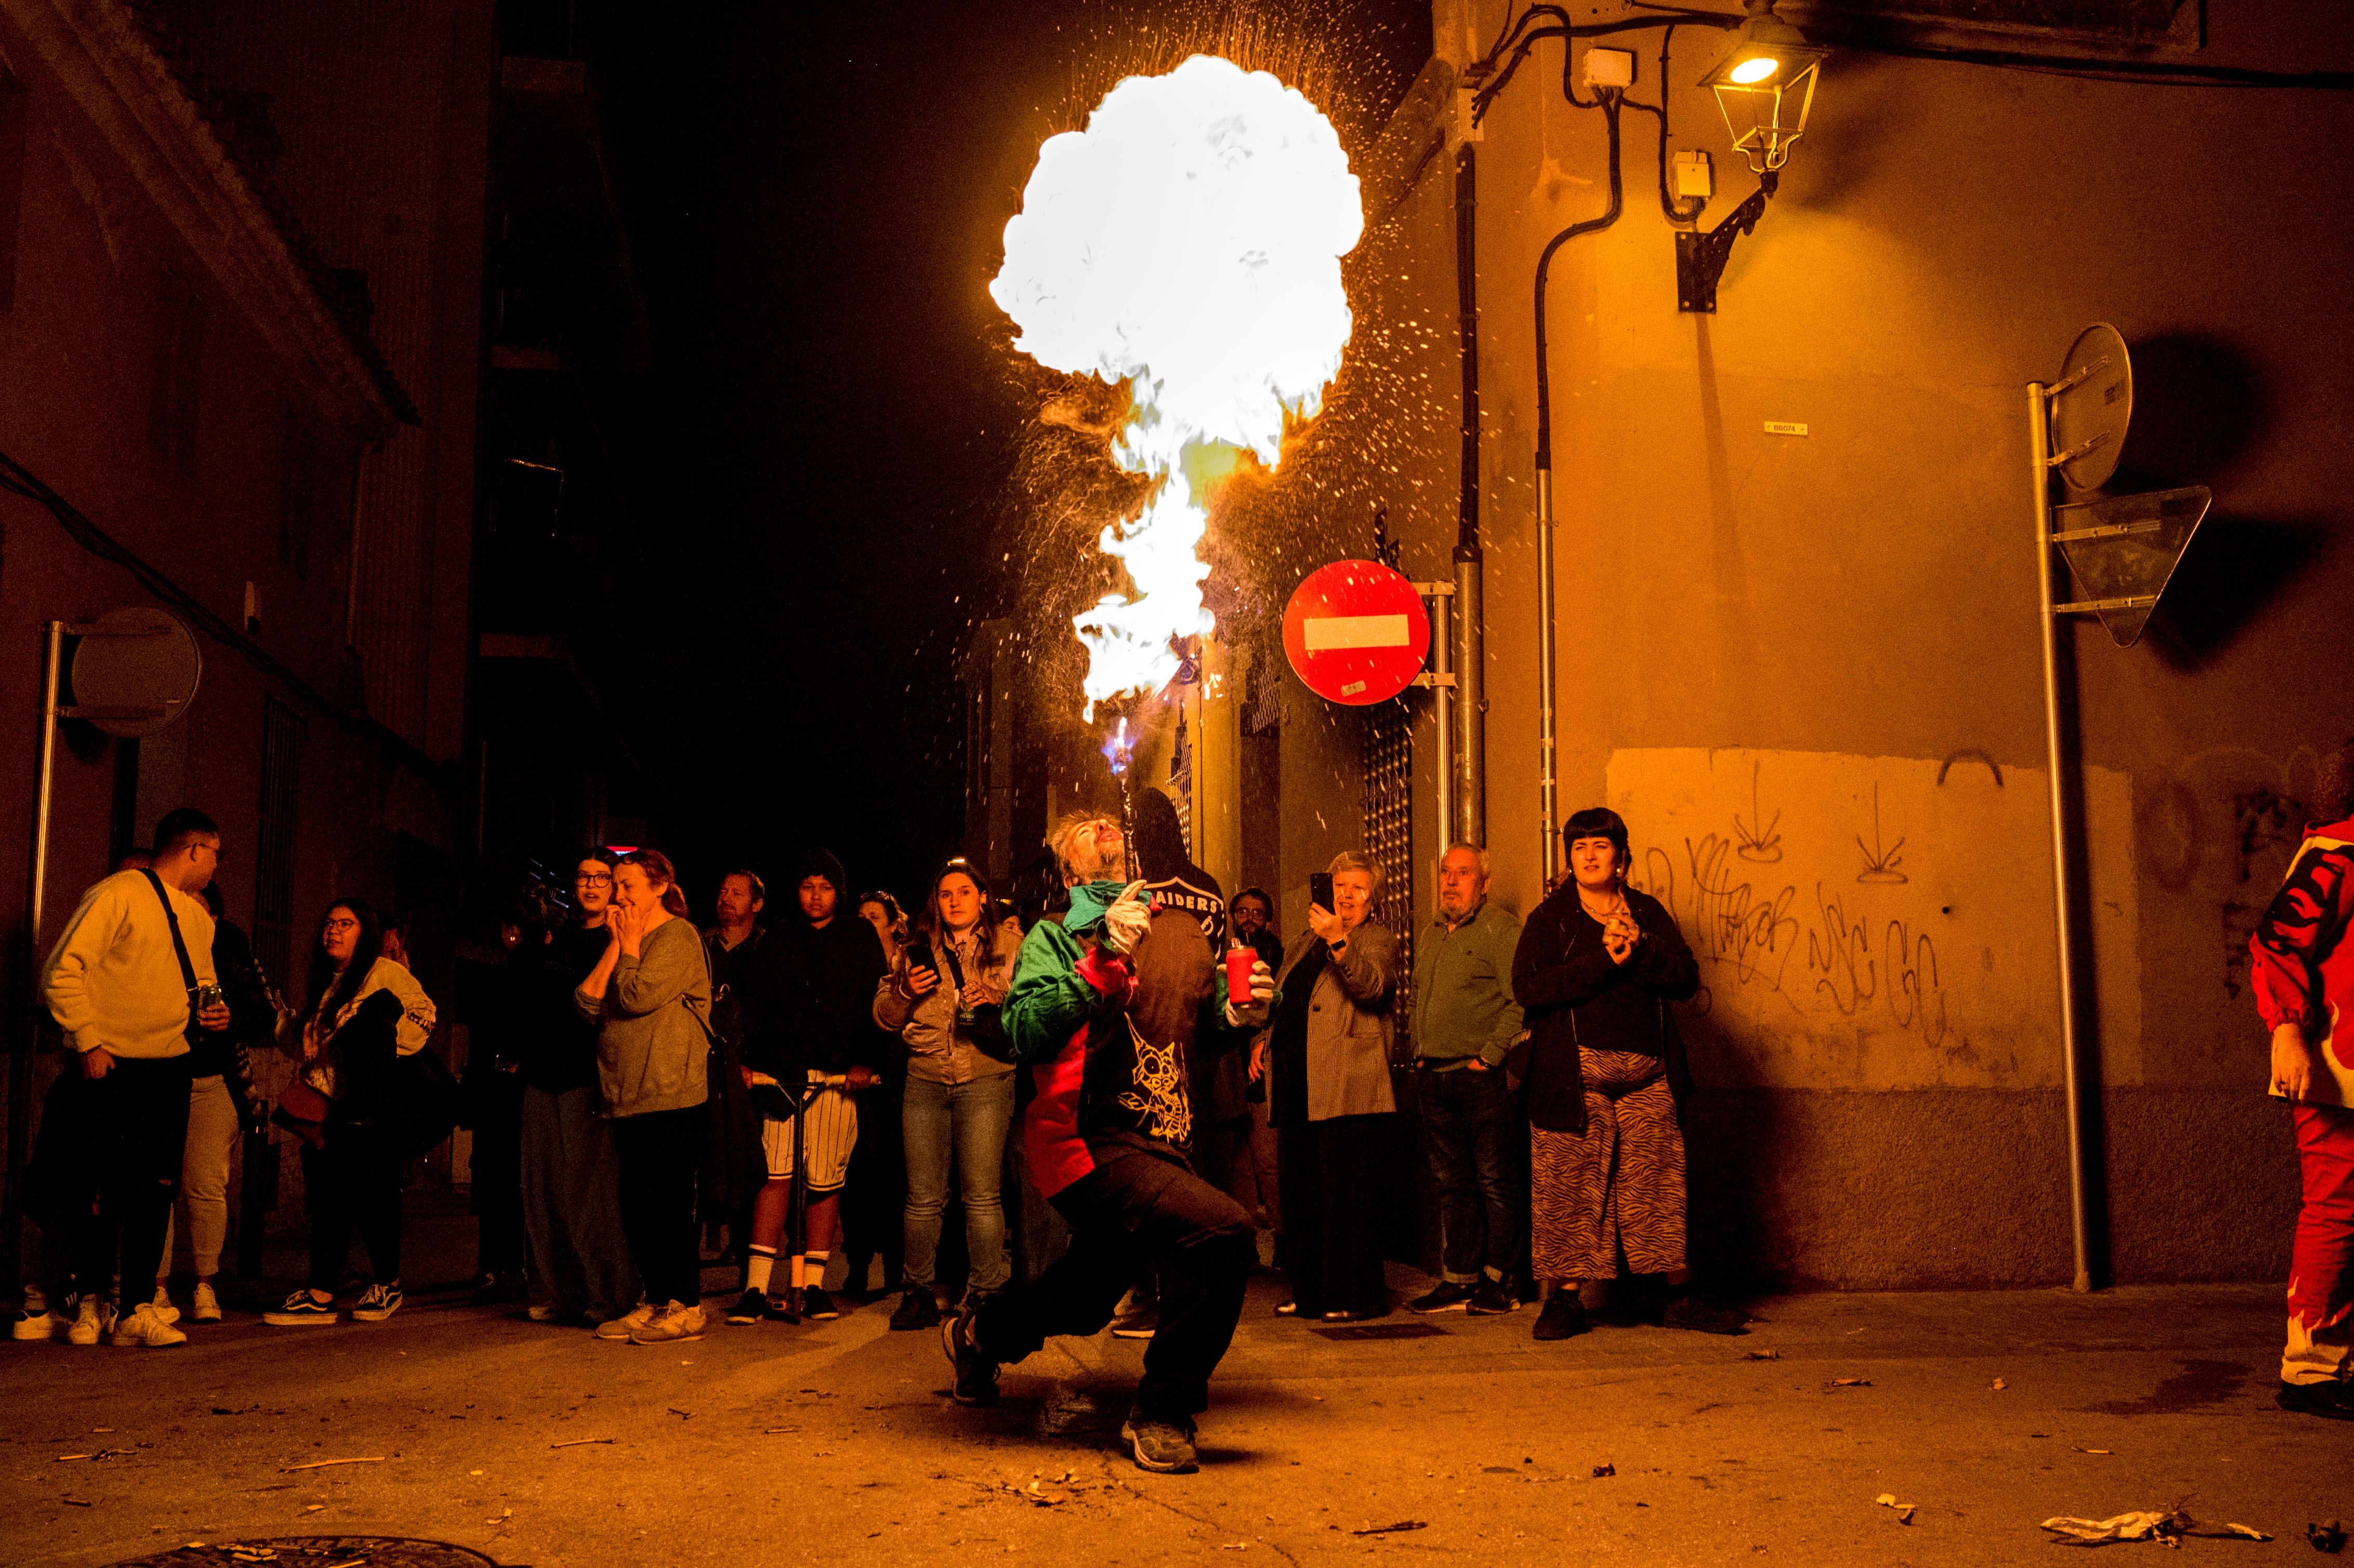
{"x": 941, "y": 997}
{"x": 364, "y": 1013}
{"x": 580, "y": 1265}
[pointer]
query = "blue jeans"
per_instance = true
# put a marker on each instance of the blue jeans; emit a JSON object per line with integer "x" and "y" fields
{"x": 968, "y": 1122}
{"x": 1464, "y": 1117}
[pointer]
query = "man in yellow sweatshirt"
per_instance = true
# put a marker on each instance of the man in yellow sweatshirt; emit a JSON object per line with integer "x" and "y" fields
{"x": 118, "y": 985}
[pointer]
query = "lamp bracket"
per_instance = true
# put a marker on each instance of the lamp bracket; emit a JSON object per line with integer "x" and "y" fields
{"x": 1701, "y": 257}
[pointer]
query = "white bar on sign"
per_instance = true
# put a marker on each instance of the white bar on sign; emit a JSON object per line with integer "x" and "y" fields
{"x": 1327, "y": 631}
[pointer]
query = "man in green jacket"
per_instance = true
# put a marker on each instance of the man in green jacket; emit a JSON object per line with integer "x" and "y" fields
{"x": 1464, "y": 1021}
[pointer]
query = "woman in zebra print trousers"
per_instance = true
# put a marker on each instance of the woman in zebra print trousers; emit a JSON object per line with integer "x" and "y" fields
{"x": 1597, "y": 964}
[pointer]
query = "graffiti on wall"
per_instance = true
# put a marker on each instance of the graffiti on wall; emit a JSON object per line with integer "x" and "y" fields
{"x": 1873, "y": 922}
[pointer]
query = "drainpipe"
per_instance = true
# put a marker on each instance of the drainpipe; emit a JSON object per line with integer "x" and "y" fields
{"x": 1469, "y": 756}
{"x": 1547, "y": 782}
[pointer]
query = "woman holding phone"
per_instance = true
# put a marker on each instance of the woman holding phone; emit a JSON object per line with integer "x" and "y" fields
{"x": 365, "y": 1012}
{"x": 1327, "y": 1062}
{"x": 941, "y": 997}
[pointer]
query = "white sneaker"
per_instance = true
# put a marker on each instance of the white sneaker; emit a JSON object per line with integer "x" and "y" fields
{"x": 146, "y": 1327}
{"x": 628, "y": 1323}
{"x": 205, "y": 1307}
{"x": 163, "y": 1306}
{"x": 42, "y": 1325}
{"x": 675, "y": 1323}
{"x": 93, "y": 1323}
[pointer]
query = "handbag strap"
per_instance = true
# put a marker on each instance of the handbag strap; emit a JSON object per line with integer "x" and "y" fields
{"x": 179, "y": 945}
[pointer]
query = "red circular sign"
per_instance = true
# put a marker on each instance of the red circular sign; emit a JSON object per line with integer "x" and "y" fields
{"x": 1356, "y": 632}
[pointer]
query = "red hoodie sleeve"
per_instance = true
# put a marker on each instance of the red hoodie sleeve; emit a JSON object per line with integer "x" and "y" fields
{"x": 2301, "y": 932}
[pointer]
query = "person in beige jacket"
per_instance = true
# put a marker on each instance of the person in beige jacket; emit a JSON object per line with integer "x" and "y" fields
{"x": 1327, "y": 1059}
{"x": 114, "y": 984}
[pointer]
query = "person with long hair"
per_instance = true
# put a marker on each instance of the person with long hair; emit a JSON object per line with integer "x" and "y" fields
{"x": 882, "y": 911}
{"x": 942, "y": 999}
{"x": 364, "y": 1012}
{"x": 1597, "y": 965}
{"x": 650, "y": 997}
{"x": 1328, "y": 1070}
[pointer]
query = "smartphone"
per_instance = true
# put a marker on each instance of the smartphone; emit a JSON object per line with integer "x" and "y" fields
{"x": 1319, "y": 890}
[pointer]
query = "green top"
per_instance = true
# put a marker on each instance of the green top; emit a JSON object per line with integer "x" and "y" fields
{"x": 651, "y": 1045}
{"x": 1047, "y": 1001}
{"x": 1463, "y": 1004}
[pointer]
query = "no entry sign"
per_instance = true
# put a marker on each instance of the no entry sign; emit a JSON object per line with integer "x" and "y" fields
{"x": 1356, "y": 632}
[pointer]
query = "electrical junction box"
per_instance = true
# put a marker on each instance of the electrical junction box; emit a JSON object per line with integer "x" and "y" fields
{"x": 1609, "y": 67}
{"x": 1694, "y": 175}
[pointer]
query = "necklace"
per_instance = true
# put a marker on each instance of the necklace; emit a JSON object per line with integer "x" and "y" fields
{"x": 1618, "y": 905}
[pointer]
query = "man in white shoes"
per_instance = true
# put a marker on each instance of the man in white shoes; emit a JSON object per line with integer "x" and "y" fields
{"x": 128, "y": 980}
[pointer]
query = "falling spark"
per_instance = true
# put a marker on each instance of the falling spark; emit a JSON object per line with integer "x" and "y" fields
{"x": 1188, "y": 242}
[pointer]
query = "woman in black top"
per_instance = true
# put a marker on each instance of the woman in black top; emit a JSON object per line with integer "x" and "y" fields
{"x": 1597, "y": 964}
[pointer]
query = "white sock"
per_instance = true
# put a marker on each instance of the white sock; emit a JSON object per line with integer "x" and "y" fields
{"x": 814, "y": 1275}
{"x": 758, "y": 1266}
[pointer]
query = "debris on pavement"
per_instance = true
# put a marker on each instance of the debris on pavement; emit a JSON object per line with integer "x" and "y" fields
{"x": 73, "y": 1502}
{"x": 1849, "y": 1383}
{"x": 2326, "y": 1537}
{"x": 2096, "y": 1450}
{"x": 1393, "y": 1529}
{"x": 2167, "y": 1525}
{"x": 323, "y": 1464}
{"x": 1761, "y": 1355}
{"x": 1605, "y": 1469}
{"x": 1904, "y": 1510}
{"x": 1998, "y": 1384}
{"x": 578, "y": 1442}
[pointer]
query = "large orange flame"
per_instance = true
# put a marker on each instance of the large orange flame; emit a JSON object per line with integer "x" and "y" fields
{"x": 1187, "y": 242}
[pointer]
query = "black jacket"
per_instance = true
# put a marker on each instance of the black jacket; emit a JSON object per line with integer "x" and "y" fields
{"x": 809, "y": 999}
{"x": 1562, "y": 966}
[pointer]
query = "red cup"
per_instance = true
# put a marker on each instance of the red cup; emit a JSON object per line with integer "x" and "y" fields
{"x": 1240, "y": 961}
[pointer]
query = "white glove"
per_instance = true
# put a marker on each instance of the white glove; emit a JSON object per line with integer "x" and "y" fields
{"x": 1128, "y": 919}
{"x": 1262, "y": 1000}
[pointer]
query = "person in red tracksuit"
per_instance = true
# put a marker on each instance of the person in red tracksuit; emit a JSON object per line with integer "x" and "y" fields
{"x": 2304, "y": 974}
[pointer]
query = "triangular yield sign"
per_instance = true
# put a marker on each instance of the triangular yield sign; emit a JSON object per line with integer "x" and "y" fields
{"x": 2122, "y": 551}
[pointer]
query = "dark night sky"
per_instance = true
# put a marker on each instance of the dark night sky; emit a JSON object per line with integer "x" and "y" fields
{"x": 818, "y": 461}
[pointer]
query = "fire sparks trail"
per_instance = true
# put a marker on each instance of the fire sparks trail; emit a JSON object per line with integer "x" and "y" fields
{"x": 1187, "y": 242}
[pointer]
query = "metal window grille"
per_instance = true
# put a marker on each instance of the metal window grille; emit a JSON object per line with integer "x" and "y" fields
{"x": 1181, "y": 783}
{"x": 1389, "y": 832}
{"x": 282, "y": 733}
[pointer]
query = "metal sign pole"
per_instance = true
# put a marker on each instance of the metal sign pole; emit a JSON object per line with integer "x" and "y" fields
{"x": 2039, "y": 432}
{"x": 21, "y": 1031}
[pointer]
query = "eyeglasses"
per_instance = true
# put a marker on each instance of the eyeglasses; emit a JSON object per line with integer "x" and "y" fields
{"x": 343, "y": 925}
{"x": 594, "y": 879}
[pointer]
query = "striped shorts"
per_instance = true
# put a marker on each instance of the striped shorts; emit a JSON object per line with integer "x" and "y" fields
{"x": 826, "y": 1142}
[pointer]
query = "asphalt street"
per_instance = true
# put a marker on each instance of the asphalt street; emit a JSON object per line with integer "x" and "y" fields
{"x": 835, "y": 1442}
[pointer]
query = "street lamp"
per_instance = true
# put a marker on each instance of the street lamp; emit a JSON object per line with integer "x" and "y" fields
{"x": 1765, "y": 87}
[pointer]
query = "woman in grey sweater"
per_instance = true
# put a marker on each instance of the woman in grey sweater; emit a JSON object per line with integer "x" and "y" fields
{"x": 649, "y": 997}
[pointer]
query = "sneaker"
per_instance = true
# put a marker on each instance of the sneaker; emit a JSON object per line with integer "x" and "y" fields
{"x": 628, "y": 1323}
{"x": 674, "y": 1324}
{"x": 817, "y": 1305}
{"x": 376, "y": 1303}
{"x": 1447, "y": 1296}
{"x": 917, "y": 1309}
{"x": 1562, "y": 1317}
{"x": 300, "y": 1311}
{"x": 1136, "y": 1318}
{"x": 204, "y": 1307}
{"x": 2332, "y": 1401}
{"x": 1160, "y": 1447}
{"x": 145, "y": 1326}
{"x": 91, "y": 1323}
{"x": 543, "y": 1313}
{"x": 42, "y": 1325}
{"x": 1683, "y": 1312}
{"x": 163, "y": 1306}
{"x": 750, "y": 1308}
{"x": 976, "y": 1374}
{"x": 1493, "y": 1298}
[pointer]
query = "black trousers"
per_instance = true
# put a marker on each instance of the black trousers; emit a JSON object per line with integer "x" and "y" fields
{"x": 1132, "y": 1209}
{"x": 139, "y": 1112}
{"x": 658, "y": 1153}
{"x": 1330, "y": 1176}
{"x": 353, "y": 1184}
